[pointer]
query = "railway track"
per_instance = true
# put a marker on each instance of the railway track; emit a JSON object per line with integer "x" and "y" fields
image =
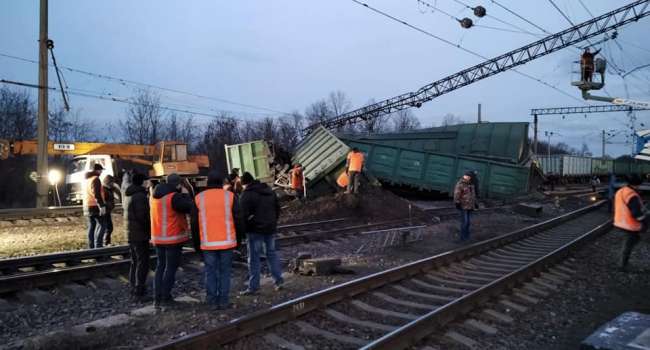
{"x": 396, "y": 308}
{"x": 50, "y": 269}
{"x": 43, "y": 216}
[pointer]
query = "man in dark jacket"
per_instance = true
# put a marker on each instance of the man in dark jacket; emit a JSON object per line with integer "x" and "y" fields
{"x": 138, "y": 232}
{"x": 169, "y": 231}
{"x": 260, "y": 211}
{"x": 94, "y": 207}
{"x": 110, "y": 190}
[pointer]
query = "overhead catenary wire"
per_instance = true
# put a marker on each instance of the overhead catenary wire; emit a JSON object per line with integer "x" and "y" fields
{"x": 147, "y": 85}
{"x": 520, "y": 29}
{"x": 473, "y": 53}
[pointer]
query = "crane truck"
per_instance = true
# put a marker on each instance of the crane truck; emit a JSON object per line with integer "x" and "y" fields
{"x": 161, "y": 159}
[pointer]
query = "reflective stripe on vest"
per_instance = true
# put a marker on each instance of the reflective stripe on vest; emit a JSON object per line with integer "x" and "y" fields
{"x": 167, "y": 225}
{"x": 215, "y": 219}
{"x": 623, "y": 217}
{"x": 355, "y": 161}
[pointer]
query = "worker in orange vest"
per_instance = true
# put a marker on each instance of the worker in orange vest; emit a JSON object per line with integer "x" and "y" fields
{"x": 215, "y": 226}
{"x": 94, "y": 207}
{"x": 169, "y": 231}
{"x": 629, "y": 216}
{"x": 297, "y": 180}
{"x": 353, "y": 167}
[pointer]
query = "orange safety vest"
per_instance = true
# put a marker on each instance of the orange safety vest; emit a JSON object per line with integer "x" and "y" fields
{"x": 623, "y": 218}
{"x": 296, "y": 178}
{"x": 216, "y": 223}
{"x": 91, "y": 201}
{"x": 355, "y": 161}
{"x": 167, "y": 225}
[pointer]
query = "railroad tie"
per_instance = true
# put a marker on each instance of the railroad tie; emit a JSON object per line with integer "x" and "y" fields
{"x": 311, "y": 330}
{"x": 529, "y": 287}
{"x": 565, "y": 269}
{"x": 498, "y": 316}
{"x": 519, "y": 294}
{"x": 480, "y": 326}
{"x": 396, "y": 301}
{"x": 509, "y": 304}
{"x": 461, "y": 339}
{"x": 454, "y": 291}
{"x": 383, "y": 312}
{"x": 274, "y": 339}
{"x": 357, "y": 322}
{"x": 438, "y": 298}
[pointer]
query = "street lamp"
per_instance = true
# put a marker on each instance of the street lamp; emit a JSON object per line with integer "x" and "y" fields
{"x": 55, "y": 176}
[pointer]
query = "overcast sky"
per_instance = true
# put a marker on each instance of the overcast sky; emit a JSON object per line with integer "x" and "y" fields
{"x": 283, "y": 55}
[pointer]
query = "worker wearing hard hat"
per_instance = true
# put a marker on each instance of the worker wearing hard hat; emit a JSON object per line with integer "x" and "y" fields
{"x": 353, "y": 168}
{"x": 95, "y": 207}
{"x": 629, "y": 216}
{"x": 297, "y": 181}
{"x": 587, "y": 64}
{"x": 169, "y": 231}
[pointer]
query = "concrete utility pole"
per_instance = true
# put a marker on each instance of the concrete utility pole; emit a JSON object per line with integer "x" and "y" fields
{"x": 603, "y": 154}
{"x": 479, "y": 113}
{"x": 41, "y": 157}
{"x": 535, "y": 134}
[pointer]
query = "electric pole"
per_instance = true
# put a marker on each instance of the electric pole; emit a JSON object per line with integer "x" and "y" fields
{"x": 479, "y": 113}
{"x": 535, "y": 134}
{"x": 603, "y": 156}
{"x": 41, "y": 157}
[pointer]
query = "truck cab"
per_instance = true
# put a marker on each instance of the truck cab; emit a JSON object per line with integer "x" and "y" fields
{"x": 76, "y": 174}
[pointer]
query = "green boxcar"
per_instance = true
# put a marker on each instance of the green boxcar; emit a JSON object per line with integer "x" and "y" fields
{"x": 254, "y": 157}
{"x": 506, "y": 142}
{"x": 440, "y": 172}
{"x": 602, "y": 166}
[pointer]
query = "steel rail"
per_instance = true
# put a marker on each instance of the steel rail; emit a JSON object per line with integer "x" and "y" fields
{"x": 420, "y": 328}
{"x": 292, "y": 309}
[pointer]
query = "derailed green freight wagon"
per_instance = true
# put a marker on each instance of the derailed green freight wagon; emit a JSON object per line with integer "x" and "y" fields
{"x": 602, "y": 166}
{"x": 253, "y": 157}
{"x": 504, "y": 142}
{"x": 440, "y": 172}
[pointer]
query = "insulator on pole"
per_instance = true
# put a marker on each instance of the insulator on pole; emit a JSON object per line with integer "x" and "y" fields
{"x": 466, "y": 23}
{"x": 479, "y": 11}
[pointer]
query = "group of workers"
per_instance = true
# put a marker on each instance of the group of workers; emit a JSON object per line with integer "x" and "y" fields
{"x": 98, "y": 203}
{"x": 220, "y": 216}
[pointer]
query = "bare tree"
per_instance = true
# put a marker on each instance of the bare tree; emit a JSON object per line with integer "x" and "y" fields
{"x": 17, "y": 117}
{"x": 451, "y": 119}
{"x": 223, "y": 131}
{"x": 404, "y": 120}
{"x": 290, "y": 130}
{"x": 180, "y": 130}
{"x": 68, "y": 126}
{"x": 374, "y": 124}
{"x": 338, "y": 103}
{"x": 318, "y": 112}
{"x": 144, "y": 122}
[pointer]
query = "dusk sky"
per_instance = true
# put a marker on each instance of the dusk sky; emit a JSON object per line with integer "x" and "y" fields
{"x": 282, "y": 55}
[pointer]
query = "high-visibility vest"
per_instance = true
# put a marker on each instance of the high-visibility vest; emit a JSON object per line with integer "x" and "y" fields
{"x": 296, "y": 178}
{"x": 216, "y": 223}
{"x": 167, "y": 225}
{"x": 623, "y": 218}
{"x": 355, "y": 160}
{"x": 90, "y": 199}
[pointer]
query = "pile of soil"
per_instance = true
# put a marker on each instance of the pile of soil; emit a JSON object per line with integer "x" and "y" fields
{"x": 372, "y": 203}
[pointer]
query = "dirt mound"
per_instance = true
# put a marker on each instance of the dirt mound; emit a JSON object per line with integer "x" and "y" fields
{"x": 371, "y": 204}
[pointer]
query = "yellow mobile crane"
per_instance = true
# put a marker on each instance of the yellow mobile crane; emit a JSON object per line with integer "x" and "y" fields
{"x": 161, "y": 159}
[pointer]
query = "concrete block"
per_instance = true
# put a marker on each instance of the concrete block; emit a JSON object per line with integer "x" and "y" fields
{"x": 144, "y": 311}
{"x": 74, "y": 290}
{"x": 35, "y": 296}
{"x": 187, "y": 299}
{"x": 630, "y": 330}
{"x": 62, "y": 220}
{"x": 321, "y": 266}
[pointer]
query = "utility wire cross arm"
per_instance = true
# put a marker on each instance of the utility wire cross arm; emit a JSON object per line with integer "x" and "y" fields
{"x": 586, "y": 109}
{"x": 554, "y": 42}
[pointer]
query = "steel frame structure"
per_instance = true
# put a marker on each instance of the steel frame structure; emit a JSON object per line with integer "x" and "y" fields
{"x": 554, "y": 42}
{"x": 585, "y": 109}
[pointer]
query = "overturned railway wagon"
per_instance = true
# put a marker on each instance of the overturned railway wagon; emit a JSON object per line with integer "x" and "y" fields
{"x": 323, "y": 156}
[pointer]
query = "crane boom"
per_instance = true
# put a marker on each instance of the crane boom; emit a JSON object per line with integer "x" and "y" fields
{"x": 28, "y": 147}
{"x": 554, "y": 42}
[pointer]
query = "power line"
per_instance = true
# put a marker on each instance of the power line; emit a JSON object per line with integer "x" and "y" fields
{"x": 522, "y": 30}
{"x": 586, "y": 8}
{"x": 520, "y": 17}
{"x": 473, "y": 53}
{"x": 132, "y": 82}
{"x": 561, "y": 12}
